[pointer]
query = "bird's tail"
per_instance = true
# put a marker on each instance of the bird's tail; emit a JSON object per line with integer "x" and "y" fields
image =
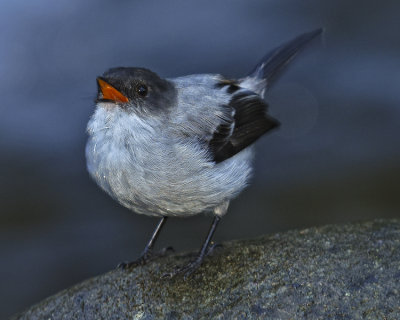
{"x": 275, "y": 61}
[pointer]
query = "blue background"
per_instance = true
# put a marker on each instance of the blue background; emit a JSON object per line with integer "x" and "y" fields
{"x": 334, "y": 160}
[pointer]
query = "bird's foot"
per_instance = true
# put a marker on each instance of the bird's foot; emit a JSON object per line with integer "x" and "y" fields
{"x": 146, "y": 257}
{"x": 192, "y": 266}
{"x": 186, "y": 270}
{"x": 212, "y": 247}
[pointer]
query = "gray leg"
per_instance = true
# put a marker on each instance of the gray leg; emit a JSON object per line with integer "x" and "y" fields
{"x": 193, "y": 265}
{"x": 147, "y": 253}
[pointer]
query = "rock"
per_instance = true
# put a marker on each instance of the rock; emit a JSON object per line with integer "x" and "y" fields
{"x": 333, "y": 272}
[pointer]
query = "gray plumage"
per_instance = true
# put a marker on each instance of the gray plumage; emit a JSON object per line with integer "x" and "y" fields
{"x": 156, "y": 165}
{"x": 181, "y": 146}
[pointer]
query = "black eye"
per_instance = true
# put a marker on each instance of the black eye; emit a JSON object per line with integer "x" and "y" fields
{"x": 142, "y": 90}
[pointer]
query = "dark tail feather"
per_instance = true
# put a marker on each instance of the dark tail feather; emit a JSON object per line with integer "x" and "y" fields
{"x": 276, "y": 60}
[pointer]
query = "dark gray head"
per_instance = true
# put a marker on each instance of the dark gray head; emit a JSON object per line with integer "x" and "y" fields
{"x": 136, "y": 88}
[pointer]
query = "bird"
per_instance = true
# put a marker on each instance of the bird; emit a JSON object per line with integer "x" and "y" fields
{"x": 178, "y": 147}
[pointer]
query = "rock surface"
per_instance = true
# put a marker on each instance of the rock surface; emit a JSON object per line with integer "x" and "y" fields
{"x": 332, "y": 272}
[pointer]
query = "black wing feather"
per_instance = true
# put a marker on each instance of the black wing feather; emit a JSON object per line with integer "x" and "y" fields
{"x": 250, "y": 121}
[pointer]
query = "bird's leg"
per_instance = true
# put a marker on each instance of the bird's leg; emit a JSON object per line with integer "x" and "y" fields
{"x": 205, "y": 249}
{"x": 147, "y": 253}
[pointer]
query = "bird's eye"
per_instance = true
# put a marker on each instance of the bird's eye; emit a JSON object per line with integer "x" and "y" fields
{"x": 142, "y": 90}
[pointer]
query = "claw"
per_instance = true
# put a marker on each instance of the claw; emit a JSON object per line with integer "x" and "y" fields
{"x": 165, "y": 251}
{"x": 127, "y": 265}
{"x": 192, "y": 266}
{"x": 186, "y": 270}
{"x": 212, "y": 247}
{"x": 122, "y": 265}
{"x": 145, "y": 258}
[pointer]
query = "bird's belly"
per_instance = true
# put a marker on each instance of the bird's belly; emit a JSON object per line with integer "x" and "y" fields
{"x": 167, "y": 182}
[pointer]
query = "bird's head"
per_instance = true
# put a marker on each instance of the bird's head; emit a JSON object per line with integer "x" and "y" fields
{"x": 135, "y": 90}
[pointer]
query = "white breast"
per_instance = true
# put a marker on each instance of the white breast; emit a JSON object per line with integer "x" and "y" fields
{"x": 149, "y": 171}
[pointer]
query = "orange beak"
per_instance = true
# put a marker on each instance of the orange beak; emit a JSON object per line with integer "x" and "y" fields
{"x": 110, "y": 93}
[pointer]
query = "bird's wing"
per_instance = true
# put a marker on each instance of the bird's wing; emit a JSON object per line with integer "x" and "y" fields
{"x": 230, "y": 115}
{"x": 225, "y": 117}
{"x": 250, "y": 121}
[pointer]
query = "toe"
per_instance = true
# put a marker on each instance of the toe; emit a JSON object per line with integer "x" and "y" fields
{"x": 186, "y": 270}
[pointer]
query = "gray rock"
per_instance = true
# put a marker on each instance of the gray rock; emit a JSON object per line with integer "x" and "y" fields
{"x": 332, "y": 272}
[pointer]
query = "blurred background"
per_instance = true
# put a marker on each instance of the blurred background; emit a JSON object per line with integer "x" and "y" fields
{"x": 335, "y": 159}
